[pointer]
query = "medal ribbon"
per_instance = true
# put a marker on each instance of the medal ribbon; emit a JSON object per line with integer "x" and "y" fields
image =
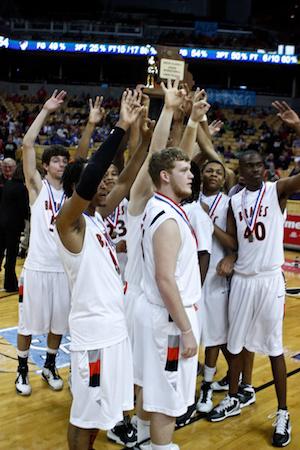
{"x": 114, "y": 217}
{"x": 178, "y": 209}
{"x": 214, "y": 205}
{"x": 251, "y": 224}
{"x": 55, "y": 210}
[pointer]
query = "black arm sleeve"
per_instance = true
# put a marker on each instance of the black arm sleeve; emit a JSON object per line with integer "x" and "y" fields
{"x": 98, "y": 165}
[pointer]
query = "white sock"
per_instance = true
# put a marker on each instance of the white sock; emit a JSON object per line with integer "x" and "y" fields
{"x": 209, "y": 373}
{"x": 23, "y": 353}
{"x": 52, "y": 351}
{"x": 143, "y": 429}
{"x": 162, "y": 447}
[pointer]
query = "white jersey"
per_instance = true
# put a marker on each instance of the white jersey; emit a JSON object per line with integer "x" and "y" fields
{"x": 42, "y": 253}
{"x": 202, "y": 225}
{"x": 116, "y": 222}
{"x": 265, "y": 253}
{"x": 133, "y": 270}
{"x": 187, "y": 274}
{"x": 218, "y": 208}
{"x": 97, "y": 317}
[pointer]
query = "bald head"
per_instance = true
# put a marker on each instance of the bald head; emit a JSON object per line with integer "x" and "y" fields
{"x": 8, "y": 167}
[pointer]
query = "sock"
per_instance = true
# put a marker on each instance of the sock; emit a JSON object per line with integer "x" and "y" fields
{"x": 50, "y": 357}
{"x": 23, "y": 358}
{"x": 283, "y": 408}
{"x": 143, "y": 429}
{"x": 209, "y": 373}
{"x": 162, "y": 447}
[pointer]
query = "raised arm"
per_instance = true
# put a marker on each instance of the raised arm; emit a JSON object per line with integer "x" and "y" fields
{"x": 33, "y": 178}
{"x": 129, "y": 173}
{"x": 142, "y": 188}
{"x": 95, "y": 116}
{"x": 288, "y": 115}
{"x": 70, "y": 223}
{"x": 199, "y": 109}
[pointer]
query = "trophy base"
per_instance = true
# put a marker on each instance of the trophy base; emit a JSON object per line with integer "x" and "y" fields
{"x": 154, "y": 92}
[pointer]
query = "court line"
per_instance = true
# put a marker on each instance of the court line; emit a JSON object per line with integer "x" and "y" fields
{"x": 203, "y": 416}
{"x": 8, "y": 295}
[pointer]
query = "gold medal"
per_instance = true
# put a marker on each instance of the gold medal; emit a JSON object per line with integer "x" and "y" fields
{"x": 250, "y": 237}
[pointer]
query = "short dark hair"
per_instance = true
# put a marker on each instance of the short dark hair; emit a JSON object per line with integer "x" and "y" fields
{"x": 248, "y": 153}
{"x": 165, "y": 160}
{"x": 72, "y": 174}
{"x": 214, "y": 161}
{"x": 54, "y": 150}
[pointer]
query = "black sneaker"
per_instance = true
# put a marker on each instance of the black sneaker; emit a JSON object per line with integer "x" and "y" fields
{"x": 283, "y": 430}
{"x": 229, "y": 406}
{"x": 123, "y": 433}
{"x": 205, "y": 404}
{"x": 23, "y": 386}
{"x": 246, "y": 395}
{"x": 52, "y": 377}
{"x": 186, "y": 417}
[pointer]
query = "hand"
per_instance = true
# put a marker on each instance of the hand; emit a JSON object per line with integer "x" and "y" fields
{"x": 225, "y": 266}
{"x": 287, "y": 114}
{"x": 121, "y": 247}
{"x": 55, "y": 101}
{"x": 130, "y": 107}
{"x": 96, "y": 112}
{"x": 146, "y": 126}
{"x": 189, "y": 344}
{"x": 200, "y": 106}
{"x": 215, "y": 126}
{"x": 173, "y": 96}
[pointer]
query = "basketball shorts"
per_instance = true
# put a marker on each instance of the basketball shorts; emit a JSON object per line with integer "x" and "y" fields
{"x": 102, "y": 386}
{"x": 256, "y": 310}
{"x": 213, "y": 310}
{"x": 44, "y": 302}
{"x": 168, "y": 380}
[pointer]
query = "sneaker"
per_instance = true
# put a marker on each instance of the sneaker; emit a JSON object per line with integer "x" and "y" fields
{"x": 205, "y": 404}
{"x": 22, "y": 382}
{"x": 123, "y": 433}
{"x": 186, "y": 417}
{"x": 246, "y": 395}
{"x": 133, "y": 421}
{"x": 221, "y": 385}
{"x": 283, "y": 429}
{"x": 51, "y": 376}
{"x": 229, "y": 406}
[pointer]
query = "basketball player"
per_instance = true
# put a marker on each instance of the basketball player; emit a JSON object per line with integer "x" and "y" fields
{"x": 44, "y": 302}
{"x": 257, "y": 293}
{"x": 171, "y": 284}
{"x": 102, "y": 381}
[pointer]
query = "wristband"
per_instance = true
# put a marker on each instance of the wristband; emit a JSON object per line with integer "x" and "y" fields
{"x": 204, "y": 118}
{"x": 186, "y": 332}
{"x": 191, "y": 123}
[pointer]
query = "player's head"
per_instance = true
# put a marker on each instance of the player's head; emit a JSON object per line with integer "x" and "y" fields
{"x": 71, "y": 177}
{"x": 251, "y": 166}
{"x": 111, "y": 177}
{"x": 54, "y": 160}
{"x": 213, "y": 176}
{"x": 170, "y": 169}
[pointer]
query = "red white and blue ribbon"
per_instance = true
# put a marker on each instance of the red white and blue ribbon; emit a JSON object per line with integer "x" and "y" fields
{"x": 113, "y": 217}
{"x": 55, "y": 207}
{"x": 178, "y": 209}
{"x": 214, "y": 204}
{"x": 253, "y": 217}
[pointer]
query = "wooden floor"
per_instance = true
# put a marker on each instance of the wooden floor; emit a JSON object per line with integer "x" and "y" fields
{"x": 39, "y": 422}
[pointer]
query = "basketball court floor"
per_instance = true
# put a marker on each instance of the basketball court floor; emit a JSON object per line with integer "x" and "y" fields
{"x": 39, "y": 422}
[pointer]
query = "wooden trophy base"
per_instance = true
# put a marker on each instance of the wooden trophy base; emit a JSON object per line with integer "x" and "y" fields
{"x": 154, "y": 92}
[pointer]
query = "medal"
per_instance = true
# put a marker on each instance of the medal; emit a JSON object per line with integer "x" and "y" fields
{"x": 214, "y": 204}
{"x": 253, "y": 217}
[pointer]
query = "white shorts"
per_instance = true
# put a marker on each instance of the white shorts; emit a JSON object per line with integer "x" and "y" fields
{"x": 169, "y": 381}
{"x": 44, "y": 302}
{"x": 214, "y": 310}
{"x": 138, "y": 342}
{"x": 256, "y": 310}
{"x": 102, "y": 386}
{"x": 132, "y": 294}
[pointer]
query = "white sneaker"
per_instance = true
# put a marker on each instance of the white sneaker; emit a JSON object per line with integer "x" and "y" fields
{"x": 22, "y": 383}
{"x": 51, "y": 376}
{"x": 205, "y": 404}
